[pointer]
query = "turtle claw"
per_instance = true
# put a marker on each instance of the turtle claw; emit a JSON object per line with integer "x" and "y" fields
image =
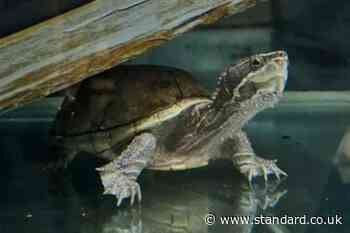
{"x": 119, "y": 201}
{"x": 261, "y": 167}
{"x": 132, "y": 197}
{"x": 269, "y": 200}
{"x": 131, "y": 190}
{"x": 121, "y": 186}
{"x": 135, "y": 193}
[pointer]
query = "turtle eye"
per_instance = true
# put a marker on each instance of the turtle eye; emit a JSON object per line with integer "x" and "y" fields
{"x": 256, "y": 62}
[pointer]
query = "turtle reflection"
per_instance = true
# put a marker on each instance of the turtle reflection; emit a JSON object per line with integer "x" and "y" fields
{"x": 182, "y": 207}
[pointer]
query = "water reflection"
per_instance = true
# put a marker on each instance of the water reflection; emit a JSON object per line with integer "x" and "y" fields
{"x": 342, "y": 158}
{"x": 179, "y": 202}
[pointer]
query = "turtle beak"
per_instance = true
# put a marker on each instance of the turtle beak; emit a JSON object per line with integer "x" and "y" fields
{"x": 273, "y": 76}
{"x": 282, "y": 61}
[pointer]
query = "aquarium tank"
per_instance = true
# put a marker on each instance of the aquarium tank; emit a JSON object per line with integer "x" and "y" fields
{"x": 143, "y": 116}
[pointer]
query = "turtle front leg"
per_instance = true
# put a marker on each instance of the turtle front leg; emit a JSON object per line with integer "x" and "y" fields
{"x": 119, "y": 176}
{"x": 250, "y": 165}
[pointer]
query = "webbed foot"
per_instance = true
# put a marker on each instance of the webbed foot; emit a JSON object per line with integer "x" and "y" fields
{"x": 119, "y": 176}
{"x": 120, "y": 185}
{"x": 254, "y": 166}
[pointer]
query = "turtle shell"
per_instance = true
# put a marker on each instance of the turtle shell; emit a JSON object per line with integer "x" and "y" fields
{"x": 124, "y": 95}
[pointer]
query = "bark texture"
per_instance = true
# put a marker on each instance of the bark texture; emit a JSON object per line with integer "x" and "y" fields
{"x": 65, "y": 50}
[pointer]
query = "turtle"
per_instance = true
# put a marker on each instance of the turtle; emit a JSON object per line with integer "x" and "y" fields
{"x": 135, "y": 117}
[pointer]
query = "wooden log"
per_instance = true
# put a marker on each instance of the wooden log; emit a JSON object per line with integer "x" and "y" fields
{"x": 90, "y": 39}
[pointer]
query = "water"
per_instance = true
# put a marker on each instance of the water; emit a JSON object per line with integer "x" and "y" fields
{"x": 303, "y": 136}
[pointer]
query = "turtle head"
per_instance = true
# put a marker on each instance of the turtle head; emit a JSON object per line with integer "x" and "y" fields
{"x": 268, "y": 72}
{"x": 261, "y": 77}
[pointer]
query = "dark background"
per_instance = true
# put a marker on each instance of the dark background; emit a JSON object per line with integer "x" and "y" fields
{"x": 19, "y": 14}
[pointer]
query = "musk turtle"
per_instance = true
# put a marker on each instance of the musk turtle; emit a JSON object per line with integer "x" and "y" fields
{"x": 136, "y": 117}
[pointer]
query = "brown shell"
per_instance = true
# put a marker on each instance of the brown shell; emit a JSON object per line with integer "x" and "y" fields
{"x": 124, "y": 95}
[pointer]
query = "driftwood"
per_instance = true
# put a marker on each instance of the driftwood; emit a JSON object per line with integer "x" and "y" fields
{"x": 90, "y": 39}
